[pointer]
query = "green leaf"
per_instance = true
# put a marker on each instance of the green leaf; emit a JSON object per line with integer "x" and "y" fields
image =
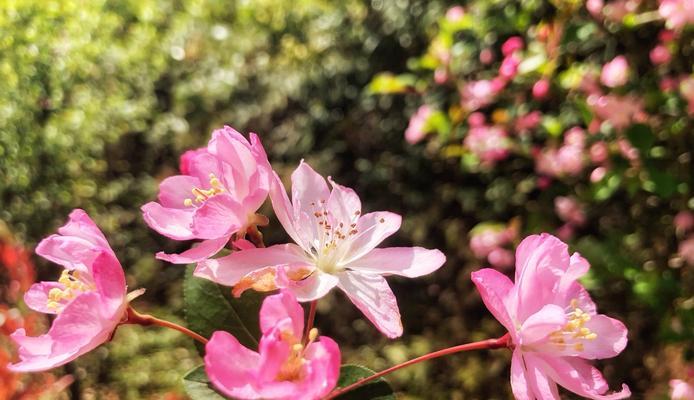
{"x": 210, "y": 307}
{"x": 641, "y": 137}
{"x": 378, "y": 389}
{"x": 198, "y": 387}
{"x": 387, "y": 83}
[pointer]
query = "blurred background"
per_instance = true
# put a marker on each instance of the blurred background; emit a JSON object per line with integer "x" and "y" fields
{"x": 479, "y": 122}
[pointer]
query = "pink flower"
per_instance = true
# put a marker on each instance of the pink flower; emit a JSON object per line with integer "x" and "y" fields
{"x": 501, "y": 258}
{"x": 681, "y": 390}
{"x": 283, "y": 367}
{"x": 541, "y": 89}
{"x": 455, "y": 13}
{"x": 221, "y": 188}
{"x": 486, "y": 56}
{"x": 677, "y": 13}
{"x": 335, "y": 246}
{"x": 512, "y": 45}
{"x": 615, "y": 73}
{"x": 528, "y": 122}
{"x": 417, "y": 128}
{"x": 489, "y": 236}
{"x": 598, "y": 174}
{"x": 89, "y": 299}
{"x": 619, "y": 111}
{"x": 554, "y": 326}
{"x": 599, "y": 152}
{"x": 686, "y": 250}
{"x": 509, "y": 66}
{"x": 660, "y": 55}
{"x": 478, "y": 94}
{"x": 490, "y": 143}
{"x": 684, "y": 221}
{"x": 570, "y": 210}
{"x": 595, "y": 7}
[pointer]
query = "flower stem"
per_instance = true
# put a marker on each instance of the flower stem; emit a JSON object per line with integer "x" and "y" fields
{"x": 481, "y": 345}
{"x": 134, "y": 317}
{"x": 311, "y": 319}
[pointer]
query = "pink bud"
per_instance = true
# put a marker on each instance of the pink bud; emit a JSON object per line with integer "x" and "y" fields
{"x": 598, "y": 174}
{"x": 684, "y": 221}
{"x": 441, "y": 75}
{"x": 541, "y": 89}
{"x": 512, "y": 45}
{"x": 599, "y": 152}
{"x": 501, "y": 258}
{"x": 595, "y": 7}
{"x": 666, "y": 36}
{"x": 455, "y": 14}
{"x": 615, "y": 73}
{"x": 509, "y": 66}
{"x": 660, "y": 55}
{"x": 476, "y": 119}
{"x": 486, "y": 56}
{"x": 668, "y": 84}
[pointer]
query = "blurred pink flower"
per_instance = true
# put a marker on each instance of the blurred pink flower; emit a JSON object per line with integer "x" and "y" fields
{"x": 487, "y": 237}
{"x": 595, "y": 7}
{"x": 681, "y": 390}
{"x": 569, "y": 210}
{"x": 221, "y": 188}
{"x": 501, "y": 258}
{"x": 486, "y": 56}
{"x": 660, "y": 55}
{"x": 476, "y": 119}
{"x": 684, "y": 221}
{"x": 441, "y": 75}
{"x": 284, "y": 367}
{"x": 335, "y": 246}
{"x": 620, "y": 111}
{"x": 627, "y": 150}
{"x": 677, "y": 13}
{"x": 89, "y": 299}
{"x": 615, "y": 73}
{"x": 541, "y": 89}
{"x": 599, "y": 152}
{"x": 528, "y": 122}
{"x": 455, "y": 13}
{"x": 668, "y": 84}
{"x": 511, "y": 45}
{"x": 598, "y": 174}
{"x": 686, "y": 250}
{"x": 568, "y": 160}
{"x": 509, "y": 66}
{"x": 417, "y": 128}
{"x": 490, "y": 143}
{"x": 554, "y": 325}
{"x": 477, "y": 94}
{"x": 618, "y": 9}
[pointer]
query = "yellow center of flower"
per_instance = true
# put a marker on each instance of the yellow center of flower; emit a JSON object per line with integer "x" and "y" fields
{"x": 73, "y": 285}
{"x": 574, "y": 330}
{"x": 291, "y": 368}
{"x": 200, "y": 195}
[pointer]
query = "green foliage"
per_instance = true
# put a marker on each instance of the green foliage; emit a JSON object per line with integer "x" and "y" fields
{"x": 198, "y": 386}
{"x": 378, "y": 389}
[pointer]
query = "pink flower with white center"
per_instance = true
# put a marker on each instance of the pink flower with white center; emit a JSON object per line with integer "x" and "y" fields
{"x": 554, "y": 325}
{"x": 89, "y": 300}
{"x": 417, "y": 128}
{"x": 619, "y": 111}
{"x": 615, "y": 73}
{"x": 681, "y": 390}
{"x": 477, "y": 94}
{"x": 284, "y": 367}
{"x": 570, "y": 210}
{"x": 221, "y": 188}
{"x": 490, "y": 143}
{"x": 335, "y": 246}
{"x": 677, "y": 13}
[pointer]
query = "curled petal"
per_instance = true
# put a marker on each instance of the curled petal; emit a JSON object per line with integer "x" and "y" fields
{"x": 494, "y": 288}
{"x": 174, "y": 223}
{"x": 220, "y": 216}
{"x": 233, "y": 376}
{"x": 280, "y": 307}
{"x": 204, "y": 250}
{"x": 36, "y": 297}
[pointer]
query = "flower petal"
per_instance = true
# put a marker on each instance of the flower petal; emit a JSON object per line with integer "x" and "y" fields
{"x": 174, "y": 190}
{"x": 36, "y": 297}
{"x": 550, "y": 318}
{"x": 322, "y": 369}
{"x": 405, "y": 261}
{"x": 219, "y": 216}
{"x": 73, "y": 253}
{"x": 81, "y": 225}
{"x": 372, "y": 229}
{"x": 315, "y": 286}
{"x": 309, "y": 189}
{"x": 228, "y": 270}
{"x": 578, "y": 376}
{"x": 372, "y": 295}
{"x": 171, "y": 222}
{"x": 284, "y": 211}
{"x": 280, "y": 307}
{"x": 204, "y": 250}
{"x": 110, "y": 283}
{"x": 542, "y": 386}
{"x": 611, "y": 338}
{"x": 343, "y": 204}
{"x": 519, "y": 381}
{"x": 233, "y": 376}
{"x": 494, "y": 288}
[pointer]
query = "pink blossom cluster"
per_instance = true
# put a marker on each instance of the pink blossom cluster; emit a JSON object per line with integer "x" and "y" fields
{"x": 490, "y": 241}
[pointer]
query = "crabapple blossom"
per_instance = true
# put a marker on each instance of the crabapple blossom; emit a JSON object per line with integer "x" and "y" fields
{"x": 89, "y": 299}
{"x": 569, "y": 210}
{"x": 417, "y": 129}
{"x": 334, "y": 245}
{"x": 477, "y": 94}
{"x": 554, "y": 325}
{"x": 220, "y": 189}
{"x": 284, "y": 367}
{"x": 490, "y": 143}
{"x": 615, "y": 73}
{"x": 677, "y": 13}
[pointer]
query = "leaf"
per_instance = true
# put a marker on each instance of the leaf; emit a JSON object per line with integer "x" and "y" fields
{"x": 198, "y": 387}
{"x": 210, "y": 307}
{"x": 378, "y": 389}
{"x": 641, "y": 137}
{"x": 387, "y": 83}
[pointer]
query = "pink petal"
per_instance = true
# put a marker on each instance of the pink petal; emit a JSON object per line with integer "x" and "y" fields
{"x": 372, "y": 229}
{"x": 611, "y": 340}
{"x": 233, "y": 376}
{"x": 36, "y": 297}
{"x": 343, "y": 204}
{"x": 81, "y": 226}
{"x": 274, "y": 352}
{"x": 174, "y": 190}
{"x": 578, "y": 376}
{"x": 171, "y": 222}
{"x": 372, "y": 295}
{"x": 110, "y": 283}
{"x": 309, "y": 189}
{"x": 203, "y": 165}
{"x": 315, "y": 286}
{"x": 73, "y": 253}
{"x": 536, "y": 327}
{"x": 519, "y": 381}
{"x": 219, "y": 216}
{"x": 228, "y": 270}
{"x": 411, "y": 262}
{"x": 284, "y": 210}
{"x": 541, "y": 386}
{"x": 494, "y": 288}
{"x": 204, "y": 250}
{"x": 279, "y": 307}
{"x": 77, "y": 330}
{"x": 578, "y": 266}
{"x": 322, "y": 369}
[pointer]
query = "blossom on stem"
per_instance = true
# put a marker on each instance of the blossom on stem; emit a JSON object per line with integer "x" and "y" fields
{"x": 283, "y": 367}
{"x": 335, "y": 246}
{"x": 220, "y": 189}
{"x": 89, "y": 300}
{"x": 554, "y": 325}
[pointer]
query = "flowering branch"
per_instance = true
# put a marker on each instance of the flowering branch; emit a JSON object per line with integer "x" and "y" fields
{"x": 481, "y": 345}
{"x": 134, "y": 317}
